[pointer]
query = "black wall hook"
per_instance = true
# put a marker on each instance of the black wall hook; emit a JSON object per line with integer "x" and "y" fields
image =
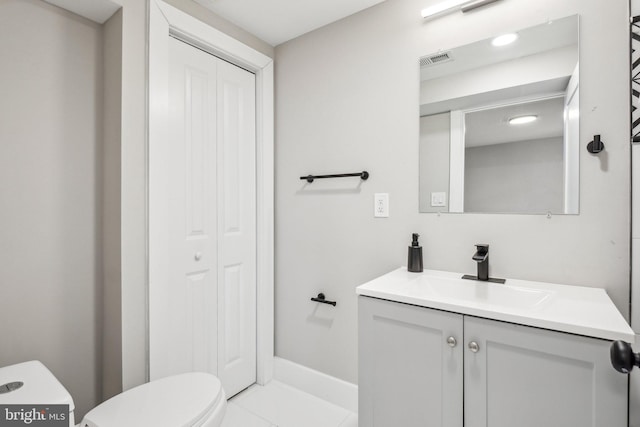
{"x": 595, "y": 146}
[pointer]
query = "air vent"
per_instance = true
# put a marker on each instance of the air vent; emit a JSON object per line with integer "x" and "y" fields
{"x": 436, "y": 58}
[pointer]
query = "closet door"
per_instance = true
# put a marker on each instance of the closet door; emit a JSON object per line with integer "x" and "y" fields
{"x": 203, "y": 308}
{"x": 183, "y": 304}
{"x": 236, "y": 227}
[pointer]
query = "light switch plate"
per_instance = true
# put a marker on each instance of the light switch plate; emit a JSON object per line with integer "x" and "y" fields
{"x": 439, "y": 199}
{"x": 381, "y": 205}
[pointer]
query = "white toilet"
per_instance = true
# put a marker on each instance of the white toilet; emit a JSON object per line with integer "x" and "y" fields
{"x": 191, "y": 399}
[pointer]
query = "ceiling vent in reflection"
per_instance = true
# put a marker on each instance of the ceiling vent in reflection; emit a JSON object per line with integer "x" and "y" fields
{"x": 435, "y": 58}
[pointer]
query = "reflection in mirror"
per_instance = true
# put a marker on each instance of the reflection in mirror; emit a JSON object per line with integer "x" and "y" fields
{"x": 499, "y": 124}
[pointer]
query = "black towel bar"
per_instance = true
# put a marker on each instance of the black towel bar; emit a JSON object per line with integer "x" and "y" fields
{"x": 364, "y": 175}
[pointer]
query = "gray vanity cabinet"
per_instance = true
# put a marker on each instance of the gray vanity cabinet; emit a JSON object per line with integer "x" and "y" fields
{"x": 410, "y": 371}
{"x": 529, "y": 377}
{"x": 495, "y": 374}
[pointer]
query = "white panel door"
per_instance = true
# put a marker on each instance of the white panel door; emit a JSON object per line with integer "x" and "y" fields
{"x": 236, "y": 164}
{"x": 190, "y": 293}
{"x": 203, "y": 316}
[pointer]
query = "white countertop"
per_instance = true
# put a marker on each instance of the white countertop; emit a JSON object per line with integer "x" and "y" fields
{"x": 573, "y": 309}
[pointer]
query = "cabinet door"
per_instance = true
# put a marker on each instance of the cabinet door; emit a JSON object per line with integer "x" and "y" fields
{"x": 409, "y": 375}
{"x": 528, "y": 377}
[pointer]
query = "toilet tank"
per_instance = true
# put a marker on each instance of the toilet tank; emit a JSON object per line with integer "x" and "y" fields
{"x": 33, "y": 389}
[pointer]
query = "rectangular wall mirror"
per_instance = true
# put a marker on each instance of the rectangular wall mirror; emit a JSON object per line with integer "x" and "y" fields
{"x": 499, "y": 124}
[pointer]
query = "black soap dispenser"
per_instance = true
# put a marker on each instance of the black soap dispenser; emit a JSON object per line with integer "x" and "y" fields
{"x": 414, "y": 263}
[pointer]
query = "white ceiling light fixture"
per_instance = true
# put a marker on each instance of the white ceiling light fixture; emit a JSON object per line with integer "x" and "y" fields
{"x": 441, "y": 8}
{"x": 521, "y": 120}
{"x": 448, "y": 6}
{"x": 504, "y": 39}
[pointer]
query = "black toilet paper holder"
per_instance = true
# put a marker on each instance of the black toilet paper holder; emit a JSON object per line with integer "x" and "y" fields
{"x": 321, "y": 298}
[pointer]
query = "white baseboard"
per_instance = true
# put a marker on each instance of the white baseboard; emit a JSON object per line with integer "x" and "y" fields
{"x": 326, "y": 387}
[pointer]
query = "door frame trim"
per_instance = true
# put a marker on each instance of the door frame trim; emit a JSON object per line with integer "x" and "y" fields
{"x": 173, "y": 22}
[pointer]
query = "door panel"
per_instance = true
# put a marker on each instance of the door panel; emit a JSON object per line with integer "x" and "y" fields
{"x": 572, "y": 145}
{"x": 408, "y": 374}
{"x": 531, "y": 377}
{"x": 191, "y": 211}
{"x": 203, "y": 310}
{"x": 237, "y": 227}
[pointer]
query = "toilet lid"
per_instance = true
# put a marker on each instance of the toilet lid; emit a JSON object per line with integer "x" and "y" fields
{"x": 179, "y": 400}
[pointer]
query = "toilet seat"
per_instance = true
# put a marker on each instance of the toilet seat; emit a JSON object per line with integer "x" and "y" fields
{"x": 191, "y": 399}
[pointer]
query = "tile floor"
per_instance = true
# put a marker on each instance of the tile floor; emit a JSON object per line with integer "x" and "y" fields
{"x": 279, "y": 405}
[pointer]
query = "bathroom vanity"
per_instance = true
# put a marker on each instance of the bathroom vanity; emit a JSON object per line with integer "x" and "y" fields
{"x": 436, "y": 350}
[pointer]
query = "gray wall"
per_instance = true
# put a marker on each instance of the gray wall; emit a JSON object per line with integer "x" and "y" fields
{"x": 111, "y": 239}
{"x": 435, "y": 137}
{"x": 50, "y": 185}
{"x": 517, "y": 177}
{"x": 347, "y": 100}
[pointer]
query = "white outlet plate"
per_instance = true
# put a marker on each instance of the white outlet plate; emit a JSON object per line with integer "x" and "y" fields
{"x": 381, "y": 205}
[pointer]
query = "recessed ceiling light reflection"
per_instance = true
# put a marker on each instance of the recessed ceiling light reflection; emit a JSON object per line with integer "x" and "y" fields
{"x": 522, "y": 120}
{"x": 504, "y": 39}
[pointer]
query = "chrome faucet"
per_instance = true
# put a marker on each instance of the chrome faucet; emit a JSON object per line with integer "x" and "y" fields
{"x": 482, "y": 258}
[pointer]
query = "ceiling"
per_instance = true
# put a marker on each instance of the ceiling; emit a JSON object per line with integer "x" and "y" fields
{"x": 531, "y": 41}
{"x": 273, "y": 21}
{"x": 277, "y": 21}
{"x": 96, "y": 10}
{"x": 491, "y": 126}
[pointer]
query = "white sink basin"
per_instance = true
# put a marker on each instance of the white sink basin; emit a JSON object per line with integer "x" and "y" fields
{"x": 573, "y": 309}
{"x": 486, "y": 293}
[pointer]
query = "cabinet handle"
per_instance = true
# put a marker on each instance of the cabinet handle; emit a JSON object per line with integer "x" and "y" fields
{"x": 452, "y": 342}
{"x": 474, "y": 347}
